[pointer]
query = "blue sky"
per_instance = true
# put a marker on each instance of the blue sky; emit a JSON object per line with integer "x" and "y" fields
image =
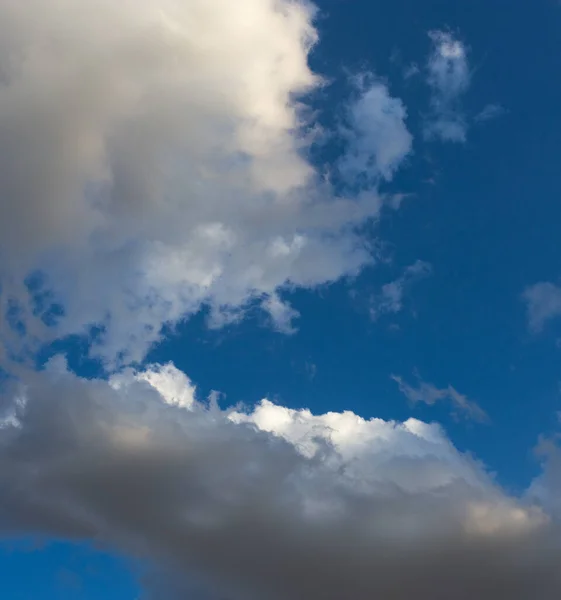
{"x": 432, "y": 291}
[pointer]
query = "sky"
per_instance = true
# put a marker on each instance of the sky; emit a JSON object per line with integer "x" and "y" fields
{"x": 280, "y": 299}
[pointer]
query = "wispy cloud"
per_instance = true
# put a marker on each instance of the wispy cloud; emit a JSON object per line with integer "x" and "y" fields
{"x": 490, "y": 112}
{"x": 543, "y": 303}
{"x": 411, "y": 70}
{"x": 390, "y": 299}
{"x": 281, "y": 313}
{"x": 449, "y": 78}
{"x": 427, "y": 393}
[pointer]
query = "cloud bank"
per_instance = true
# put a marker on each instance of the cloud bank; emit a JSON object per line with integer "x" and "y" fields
{"x": 272, "y": 503}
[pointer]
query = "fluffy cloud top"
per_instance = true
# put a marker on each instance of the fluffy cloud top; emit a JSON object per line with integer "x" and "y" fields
{"x": 153, "y": 158}
{"x": 274, "y": 503}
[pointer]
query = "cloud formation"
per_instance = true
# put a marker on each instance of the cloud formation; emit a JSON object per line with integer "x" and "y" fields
{"x": 376, "y": 134}
{"x": 449, "y": 78}
{"x": 269, "y": 504}
{"x": 543, "y": 302}
{"x": 390, "y": 300}
{"x": 153, "y": 159}
{"x": 428, "y": 393}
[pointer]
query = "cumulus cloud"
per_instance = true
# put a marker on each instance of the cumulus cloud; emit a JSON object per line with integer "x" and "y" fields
{"x": 543, "y": 302}
{"x": 390, "y": 300}
{"x": 428, "y": 393}
{"x": 273, "y": 503}
{"x": 153, "y": 159}
{"x": 449, "y": 78}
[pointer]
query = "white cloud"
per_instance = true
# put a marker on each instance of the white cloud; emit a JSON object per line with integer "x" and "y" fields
{"x": 153, "y": 159}
{"x": 175, "y": 388}
{"x": 543, "y": 302}
{"x": 377, "y": 135}
{"x": 449, "y": 78}
{"x": 273, "y": 503}
{"x": 430, "y": 394}
{"x": 390, "y": 300}
{"x": 281, "y": 313}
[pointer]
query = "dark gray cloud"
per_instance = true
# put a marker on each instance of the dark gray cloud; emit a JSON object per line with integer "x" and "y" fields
{"x": 269, "y": 505}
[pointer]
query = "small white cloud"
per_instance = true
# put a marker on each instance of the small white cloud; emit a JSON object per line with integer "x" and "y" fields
{"x": 390, "y": 300}
{"x": 489, "y": 112}
{"x": 376, "y": 133}
{"x": 428, "y": 393}
{"x": 543, "y": 302}
{"x": 449, "y": 78}
{"x": 281, "y": 313}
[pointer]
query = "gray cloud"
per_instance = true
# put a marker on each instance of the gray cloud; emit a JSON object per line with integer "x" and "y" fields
{"x": 390, "y": 299}
{"x": 274, "y": 503}
{"x": 428, "y": 393}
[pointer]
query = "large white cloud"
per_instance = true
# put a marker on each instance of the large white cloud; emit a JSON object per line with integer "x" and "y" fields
{"x": 274, "y": 503}
{"x": 153, "y": 157}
